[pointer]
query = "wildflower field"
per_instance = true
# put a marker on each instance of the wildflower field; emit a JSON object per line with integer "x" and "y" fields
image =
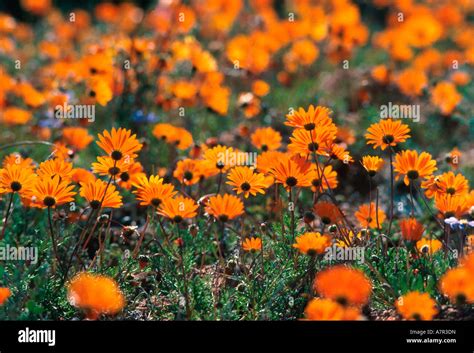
{"x": 237, "y": 160}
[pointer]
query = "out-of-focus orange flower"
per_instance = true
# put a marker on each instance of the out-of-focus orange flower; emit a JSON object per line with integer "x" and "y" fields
{"x": 416, "y": 306}
{"x": 412, "y": 81}
{"x": 326, "y": 309}
{"x": 328, "y": 212}
{"x": 445, "y": 96}
{"x": 15, "y": 116}
{"x": 95, "y": 294}
{"x": 37, "y": 7}
{"x": 345, "y": 285}
{"x": 458, "y": 285}
{"x": 188, "y": 171}
{"x": 77, "y": 137}
{"x": 5, "y": 293}
{"x": 260, "y": 88}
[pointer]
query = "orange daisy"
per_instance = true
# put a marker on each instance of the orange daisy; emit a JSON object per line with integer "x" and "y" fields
{"x": 446, "y": 183}
{"x": 306, "y": 143}
{"x": 312, "y": 243}
{"x": 323, "y": 179}
{"x": 412, "y": 230}
{"x": 153, "y": 191}
{"x": 367, "y": 217}
{"x": 252, "y": 244}
{"x": 266, "y": 139}
{"x": 386, "y": 133}
{"x": 56, "y": 166}
{"x": 188, "y": 171}
{"x": 100, "y": 194}
{"x": 224, "y": 207}
{"x": 107, "y": 166}
{"x": 412, "y": 166}
{"x": 451, "y": 205}
{"x": 50, "y": 192}
{"x": 15, "y": 178}
{"x": 372, "y": 164}
{"x": 119, "y": 144}
{"x": 309, "y": 120}
{"x": 245, "y": 180}
{"x": 428, "y": 246}
{"x": 291, "y": 172}
{"x": 178, "y": 209}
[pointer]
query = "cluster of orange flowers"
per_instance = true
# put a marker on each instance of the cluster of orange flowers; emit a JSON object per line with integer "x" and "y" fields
{"x": 161, "y": 49}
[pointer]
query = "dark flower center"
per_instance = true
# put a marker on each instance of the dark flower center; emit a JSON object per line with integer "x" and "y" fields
{"x": 342, "y": 300}
{"x": 125, "y": 176}
{"x": 223, "y": 218}
{"x": 413, "y": 174}
{"x": 116, "y": 155}
{"x": 49, "y": 201}
{"x": 388, "y": 139}
{"x": 311, "y": 252}
{"x": 451, "y": 190}
{"x": 449, "y": 214}
{"x": 188, "y": 175}
{"x": 291, "y": 181}
{"x": 16, "y": 186}
{"x": 92, "y": 94}
{"x": 461, "y": 299}
{"x": 264, "y": 148}
{"x": 313, "y": 146}
{"x": 372, "y": 173}
{"x": 326, "y": 220}
{"x": 245, "y": 186}
{"x": 416, "y": 317}
{"x": 309, "y": 216}
{"x": 114, "y": 170}
{"x": 369, "y": 219}
{"x": 309, "y": 126}
{"x": 316, "y": 183}
{"x": 178, "y": 219}
{"x": 219, "y": 165}
{"x": 155, "y": 202}
{"x": 95, "y": 204}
